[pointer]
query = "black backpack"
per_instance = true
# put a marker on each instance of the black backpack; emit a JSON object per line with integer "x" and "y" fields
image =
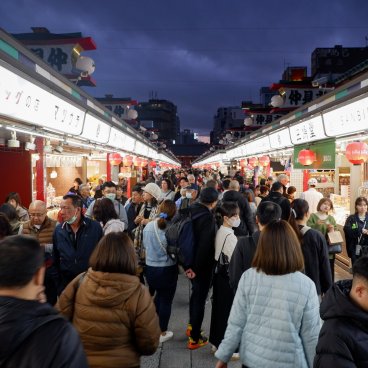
{"x": 180, "y": 238}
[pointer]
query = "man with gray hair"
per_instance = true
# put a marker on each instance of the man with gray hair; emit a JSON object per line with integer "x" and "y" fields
{"x": 85, "y": 194}
{"x": 284, "y": 180}
{"x": 41, "y": 227}
{"x": 191, "y": 179}
{"x": 247, "y": 223}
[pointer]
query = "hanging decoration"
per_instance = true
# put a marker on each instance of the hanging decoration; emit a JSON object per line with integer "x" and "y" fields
{"x": 264, "y": 161}
{"x": 357, "y": 152}
{"x": 252, "y": 161}
{"x": 306, "y": 157}
{"x": 114, "y": 159}
{"x": 243, "y": 163}
{"x": 127, "y": 160}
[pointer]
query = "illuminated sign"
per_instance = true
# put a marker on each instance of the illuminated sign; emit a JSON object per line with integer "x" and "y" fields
{"x": 307, "y": 131}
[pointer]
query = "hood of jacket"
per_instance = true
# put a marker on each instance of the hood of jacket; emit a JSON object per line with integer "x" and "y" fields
{"x": 107, "y": 289}
{"x": 18, "y": 319}
{"x": 338, "y": 304}
{"x": 114, "y": 225}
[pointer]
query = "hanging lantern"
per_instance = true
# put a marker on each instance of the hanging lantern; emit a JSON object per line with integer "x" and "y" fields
{"x": 306, "y": 157}
{"x": 357, "y": 152}
{"x": 137, "y": 161}
{"x": 144, "y": 163}
{"x": 252, "y": 161}
{"x": 243, "y": 163}
{"x": 127, "y": 160}
{"x": 264, "y": 161}
{"x": 115, "y": 159}
{"x": 153, "y": 164}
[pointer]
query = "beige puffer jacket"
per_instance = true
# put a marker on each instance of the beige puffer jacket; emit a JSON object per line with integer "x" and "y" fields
{"x": 115, "y": 317}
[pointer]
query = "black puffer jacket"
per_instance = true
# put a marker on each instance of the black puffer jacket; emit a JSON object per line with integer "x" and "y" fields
{"x": 34, "y": 335}
{"x": 247, "y": 225}
{"x": 284, "y": 203}
{"x": 204, "y": 230}
{"x": 343, "y": 340}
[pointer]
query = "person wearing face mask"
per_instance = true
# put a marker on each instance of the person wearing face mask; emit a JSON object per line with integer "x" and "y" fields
{"x": 42, "y": 228}
{"x": 74, "y": 241}
{"x": 109, "y": 191}
{"x": 191, "y": 193}
{"x": 222, "y": 297}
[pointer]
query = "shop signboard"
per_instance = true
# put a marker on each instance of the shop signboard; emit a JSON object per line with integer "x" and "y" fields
{"x": 95, "y": 129}
{"x": 307, "y": 131}
{"x": 280, "y": 139}
{"x": 260, "y": 145}
{"x": 325, "y": 153}
{"x": 25, "y": 101}
{"x": 296, "y": 97}
{"x": 350, "y": 118}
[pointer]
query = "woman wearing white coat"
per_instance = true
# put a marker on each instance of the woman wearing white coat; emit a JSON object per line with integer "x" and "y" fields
{"x": 274, "y": 319}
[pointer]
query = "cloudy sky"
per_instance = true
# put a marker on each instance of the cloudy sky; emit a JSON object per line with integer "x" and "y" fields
{"x": 199, "y": 54}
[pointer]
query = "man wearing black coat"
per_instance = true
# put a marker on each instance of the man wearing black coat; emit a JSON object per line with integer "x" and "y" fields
{"x": 276, "y": 196}
{"x": 343, "y": 340}
{"x": 200, "y": 273}
{"x": 32, "y": 333}
{"x": 247, "y": 225}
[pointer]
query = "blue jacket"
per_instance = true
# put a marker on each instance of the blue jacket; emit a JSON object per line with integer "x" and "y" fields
{"x": 156, "y": 255}
{"x": 71, "y": 255}
{"x": 274, "y": 321}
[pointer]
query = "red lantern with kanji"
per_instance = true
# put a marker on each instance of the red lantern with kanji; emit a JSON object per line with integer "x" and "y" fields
{"x": 264, "y": 161}
{"x": 114, "y": 159}
{"x": 243, "y": 163}
{"x": 152, "y": 164}
{"x": 357, "y": 152}
{"x": 306, "y": 157}
{"x": 252, "y": 161}
{"x": 127, "y": 160}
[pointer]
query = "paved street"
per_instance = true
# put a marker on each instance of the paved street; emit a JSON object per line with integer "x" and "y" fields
{"x": 173, "y": 353}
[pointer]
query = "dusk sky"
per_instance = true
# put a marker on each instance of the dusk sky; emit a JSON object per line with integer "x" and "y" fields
{"x": 199, "y": 54}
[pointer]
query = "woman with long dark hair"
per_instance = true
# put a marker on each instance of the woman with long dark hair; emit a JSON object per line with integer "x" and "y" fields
{"x": 274, "y": 320}
{"x": 314, "y": 247}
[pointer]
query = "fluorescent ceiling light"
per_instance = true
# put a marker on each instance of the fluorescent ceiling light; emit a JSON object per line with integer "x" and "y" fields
{"x": 31, "y": 132}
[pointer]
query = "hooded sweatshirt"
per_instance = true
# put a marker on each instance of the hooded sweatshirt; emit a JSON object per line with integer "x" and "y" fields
{"x": 32, "y": 334}
{"x": 113, "y": 226}
{"x": 115, "y": 317}
{"x": 343, "y": 340}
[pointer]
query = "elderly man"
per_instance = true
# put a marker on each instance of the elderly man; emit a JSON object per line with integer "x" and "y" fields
{"x": 191, "y": 193}
{"x": 85, "y": 194}
{"x": 42, "y": 228}
{"x": 284, "y": 180}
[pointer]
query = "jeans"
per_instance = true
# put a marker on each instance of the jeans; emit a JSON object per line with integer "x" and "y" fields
{"x": 162, "y": 281}
{"x": 200, "y": 289}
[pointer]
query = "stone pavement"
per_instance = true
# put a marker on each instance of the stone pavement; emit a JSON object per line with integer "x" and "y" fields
{"x": 174, "y": 353}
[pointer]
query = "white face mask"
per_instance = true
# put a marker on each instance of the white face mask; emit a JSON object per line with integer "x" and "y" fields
{"x": 37, "y": 226}
{"x": 234, "y": 221}
{"x": 188, "y": 195}
{"x": 111, "y": 196}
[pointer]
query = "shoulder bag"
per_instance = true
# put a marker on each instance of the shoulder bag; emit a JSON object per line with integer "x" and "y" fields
{"x": 222, "y": 264}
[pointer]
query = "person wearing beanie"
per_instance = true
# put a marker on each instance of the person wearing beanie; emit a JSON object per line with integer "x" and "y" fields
{"x": 200, "y": 273}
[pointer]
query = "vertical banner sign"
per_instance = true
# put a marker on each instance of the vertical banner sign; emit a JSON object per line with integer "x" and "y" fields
{"x": 325, "y": 154}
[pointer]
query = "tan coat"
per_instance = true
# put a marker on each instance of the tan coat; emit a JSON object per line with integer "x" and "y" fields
{"x": 43, "y": 234}
{"x": 115, "y": 317}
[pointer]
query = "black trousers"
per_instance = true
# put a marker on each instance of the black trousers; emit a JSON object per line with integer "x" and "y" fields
{"x": 200, "y": 288}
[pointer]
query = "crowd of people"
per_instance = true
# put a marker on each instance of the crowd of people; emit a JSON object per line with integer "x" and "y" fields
{"x": 263, "y": 252}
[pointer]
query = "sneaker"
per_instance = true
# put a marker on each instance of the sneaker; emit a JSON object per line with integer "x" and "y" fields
{"x": 189, "y": 330}
{"x": 166, "y": 336}
{"x": 192, "y": 345}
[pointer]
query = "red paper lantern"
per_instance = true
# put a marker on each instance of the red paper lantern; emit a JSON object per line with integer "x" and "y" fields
{"x": 264, "y": 161}
{"x": 306, "y": 157}
{"x": 357, "y": 152}
{"x": 114, "y": 159}
{"x": 152, "y": 164}
{"x": 127, "y": 160}
{"x": 137, "y": 161}
{"x": 243, "y": 163}
{"x": 252, "y": 161}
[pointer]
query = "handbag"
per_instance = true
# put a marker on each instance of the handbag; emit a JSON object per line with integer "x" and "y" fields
{"x": 335, "y": 241}
{"x": 222, "y": 264}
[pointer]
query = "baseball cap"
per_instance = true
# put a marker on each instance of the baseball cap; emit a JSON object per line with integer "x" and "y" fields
{"x": 312, "y": 181}
{"x": 192, "y": 187}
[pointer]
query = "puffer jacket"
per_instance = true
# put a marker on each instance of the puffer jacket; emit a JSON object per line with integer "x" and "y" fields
{"x": 115, "y": 317}
{"x": 274, "y": 319}
{"x": 33, "y": 335}
{"x": 343, "y": 341}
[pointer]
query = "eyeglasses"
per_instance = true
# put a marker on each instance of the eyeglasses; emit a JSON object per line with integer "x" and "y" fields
{"x": 36, "y": 214}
